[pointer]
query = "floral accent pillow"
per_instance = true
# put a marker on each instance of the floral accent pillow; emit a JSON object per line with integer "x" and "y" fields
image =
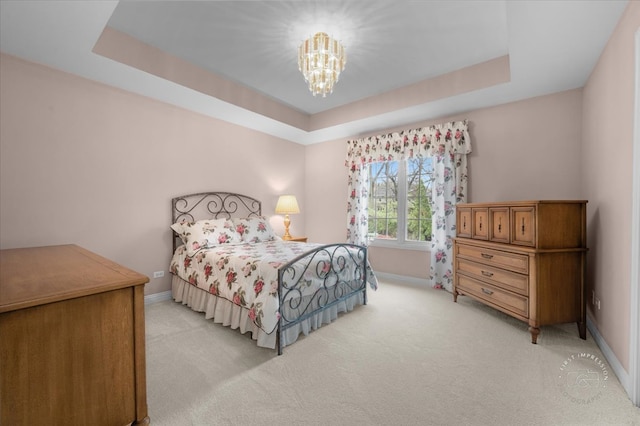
{"x": 206, "y": 233}
{"x": 254, "y": 229}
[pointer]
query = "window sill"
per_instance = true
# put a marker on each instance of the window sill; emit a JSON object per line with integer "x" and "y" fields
{"x": 391, "y": 244}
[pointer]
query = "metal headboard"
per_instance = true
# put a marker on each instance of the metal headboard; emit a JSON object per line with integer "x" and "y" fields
{"x": 208, "y": 205}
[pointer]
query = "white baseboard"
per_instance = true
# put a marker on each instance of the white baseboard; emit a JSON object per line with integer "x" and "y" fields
{"x": 403, "y": 279}
{"x": 620, "y": 372}
{"x": 157, "y": 297}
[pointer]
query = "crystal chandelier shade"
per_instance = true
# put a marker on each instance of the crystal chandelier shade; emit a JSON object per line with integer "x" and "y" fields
{"x": 321, "y": 59}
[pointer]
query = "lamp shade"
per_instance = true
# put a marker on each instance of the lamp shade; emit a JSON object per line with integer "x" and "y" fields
{"x": 287, "y": 204}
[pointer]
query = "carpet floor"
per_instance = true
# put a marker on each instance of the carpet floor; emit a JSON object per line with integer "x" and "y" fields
{"x": 409, "y": 357}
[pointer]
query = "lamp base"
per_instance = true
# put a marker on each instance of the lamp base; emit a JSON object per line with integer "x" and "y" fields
{"x": 287, "y": 222}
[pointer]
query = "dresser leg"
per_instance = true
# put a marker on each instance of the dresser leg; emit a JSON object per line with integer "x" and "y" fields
{"x": 534, "y": 334}
{"x": 582, "y": 329}
{"x": 455, "y": 296}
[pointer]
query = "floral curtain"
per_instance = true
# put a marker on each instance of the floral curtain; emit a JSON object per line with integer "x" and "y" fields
{"x": 448, "y": 144}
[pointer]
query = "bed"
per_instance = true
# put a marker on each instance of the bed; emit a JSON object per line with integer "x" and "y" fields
{"x": 228, "y": 263}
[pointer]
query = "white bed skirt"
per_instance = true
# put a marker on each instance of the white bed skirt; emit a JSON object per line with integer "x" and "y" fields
{"x": 231, "y": 315}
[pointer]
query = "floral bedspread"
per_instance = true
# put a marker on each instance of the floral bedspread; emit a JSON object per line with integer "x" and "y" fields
{"x": 245, "y": 274}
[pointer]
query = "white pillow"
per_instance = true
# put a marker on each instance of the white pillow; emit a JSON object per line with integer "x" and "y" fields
{"x": 206, "y": 233}
{"x": 254, "y": 229}
{"x": 180, "y": 229}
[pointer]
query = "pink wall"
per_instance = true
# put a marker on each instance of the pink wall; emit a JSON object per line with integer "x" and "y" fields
{"x": 84, "y": 163}
{"x": 521, "y": 151}
{"x": 526, "y": 150}
{"x": 82, "y": 140}
{"x": 606, "y": 173}
{"x": 326, "y": 192}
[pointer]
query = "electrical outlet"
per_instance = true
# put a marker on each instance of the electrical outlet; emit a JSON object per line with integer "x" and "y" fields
{"x": 158, "y": 274}
{"x": 597, "y": 303}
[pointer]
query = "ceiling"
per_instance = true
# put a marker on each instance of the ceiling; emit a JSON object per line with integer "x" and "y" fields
{"x": 407, "y": 61}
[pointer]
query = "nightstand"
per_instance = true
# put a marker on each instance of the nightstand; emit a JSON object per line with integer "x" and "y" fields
{"x": 298, "y": 239}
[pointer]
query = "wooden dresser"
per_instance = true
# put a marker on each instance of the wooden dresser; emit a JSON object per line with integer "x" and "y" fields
{"x": 524, "y": 258}
{"x": 72, "y": 341}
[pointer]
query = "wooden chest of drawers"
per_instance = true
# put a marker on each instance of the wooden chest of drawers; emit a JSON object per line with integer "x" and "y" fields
{"x": 525, "y": 258}
{"x": 72, "y": 339}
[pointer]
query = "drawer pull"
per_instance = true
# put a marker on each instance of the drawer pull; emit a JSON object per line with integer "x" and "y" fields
{"x": 487, "y": 256}
{"x": 485, "y": 291}
{"x": 487, "y": 274}
{"x": 480, "y": 223}
{"x": 522, "y": 226}
{"x": 464, "y": 223}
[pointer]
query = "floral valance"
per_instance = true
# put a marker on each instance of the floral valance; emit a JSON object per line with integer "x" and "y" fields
{"x": 448, "y": 138}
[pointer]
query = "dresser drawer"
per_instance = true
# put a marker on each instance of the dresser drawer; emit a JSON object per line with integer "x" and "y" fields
{"x": 501, "y": 259}
{"x": 523, "y": 226}
{"x": 498, "y": 277}
{"x": 463, "y": 222}
{"x": 510, "y": 301}
{"x": 499, "y": 225}
{"x": 480, "y": 223}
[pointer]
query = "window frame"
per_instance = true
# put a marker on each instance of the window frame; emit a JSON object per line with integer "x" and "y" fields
{"x": 401, "y": 241}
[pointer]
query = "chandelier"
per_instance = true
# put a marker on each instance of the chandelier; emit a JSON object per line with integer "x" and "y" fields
{"x": 321, "y": 59}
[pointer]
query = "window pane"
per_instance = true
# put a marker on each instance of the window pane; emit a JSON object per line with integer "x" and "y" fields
{"x": 383, "y": 200}
{"x": 419, "y": 173}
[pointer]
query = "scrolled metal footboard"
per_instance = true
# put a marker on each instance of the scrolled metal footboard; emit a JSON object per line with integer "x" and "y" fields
{"x": 318, "y": 280}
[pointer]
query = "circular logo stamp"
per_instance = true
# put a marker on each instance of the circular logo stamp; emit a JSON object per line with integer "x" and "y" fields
{"x": 582, "y": 377}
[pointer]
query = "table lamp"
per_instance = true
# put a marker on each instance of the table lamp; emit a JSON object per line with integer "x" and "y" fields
{"x": 287, "y": 204}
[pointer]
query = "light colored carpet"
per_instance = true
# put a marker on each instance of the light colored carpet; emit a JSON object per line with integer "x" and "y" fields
{"x": 410, "y": 357}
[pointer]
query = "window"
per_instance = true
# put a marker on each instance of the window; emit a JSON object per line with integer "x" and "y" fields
{"x": 399, "y": 207}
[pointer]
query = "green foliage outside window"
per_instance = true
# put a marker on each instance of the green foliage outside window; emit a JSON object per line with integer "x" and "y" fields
{"x": 419, "y": 200}
{"x": 383, "y": 200}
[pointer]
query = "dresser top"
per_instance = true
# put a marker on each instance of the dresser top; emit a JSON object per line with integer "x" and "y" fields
{"x": 522, "y": 203}
{"x": 39, "y": 275}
